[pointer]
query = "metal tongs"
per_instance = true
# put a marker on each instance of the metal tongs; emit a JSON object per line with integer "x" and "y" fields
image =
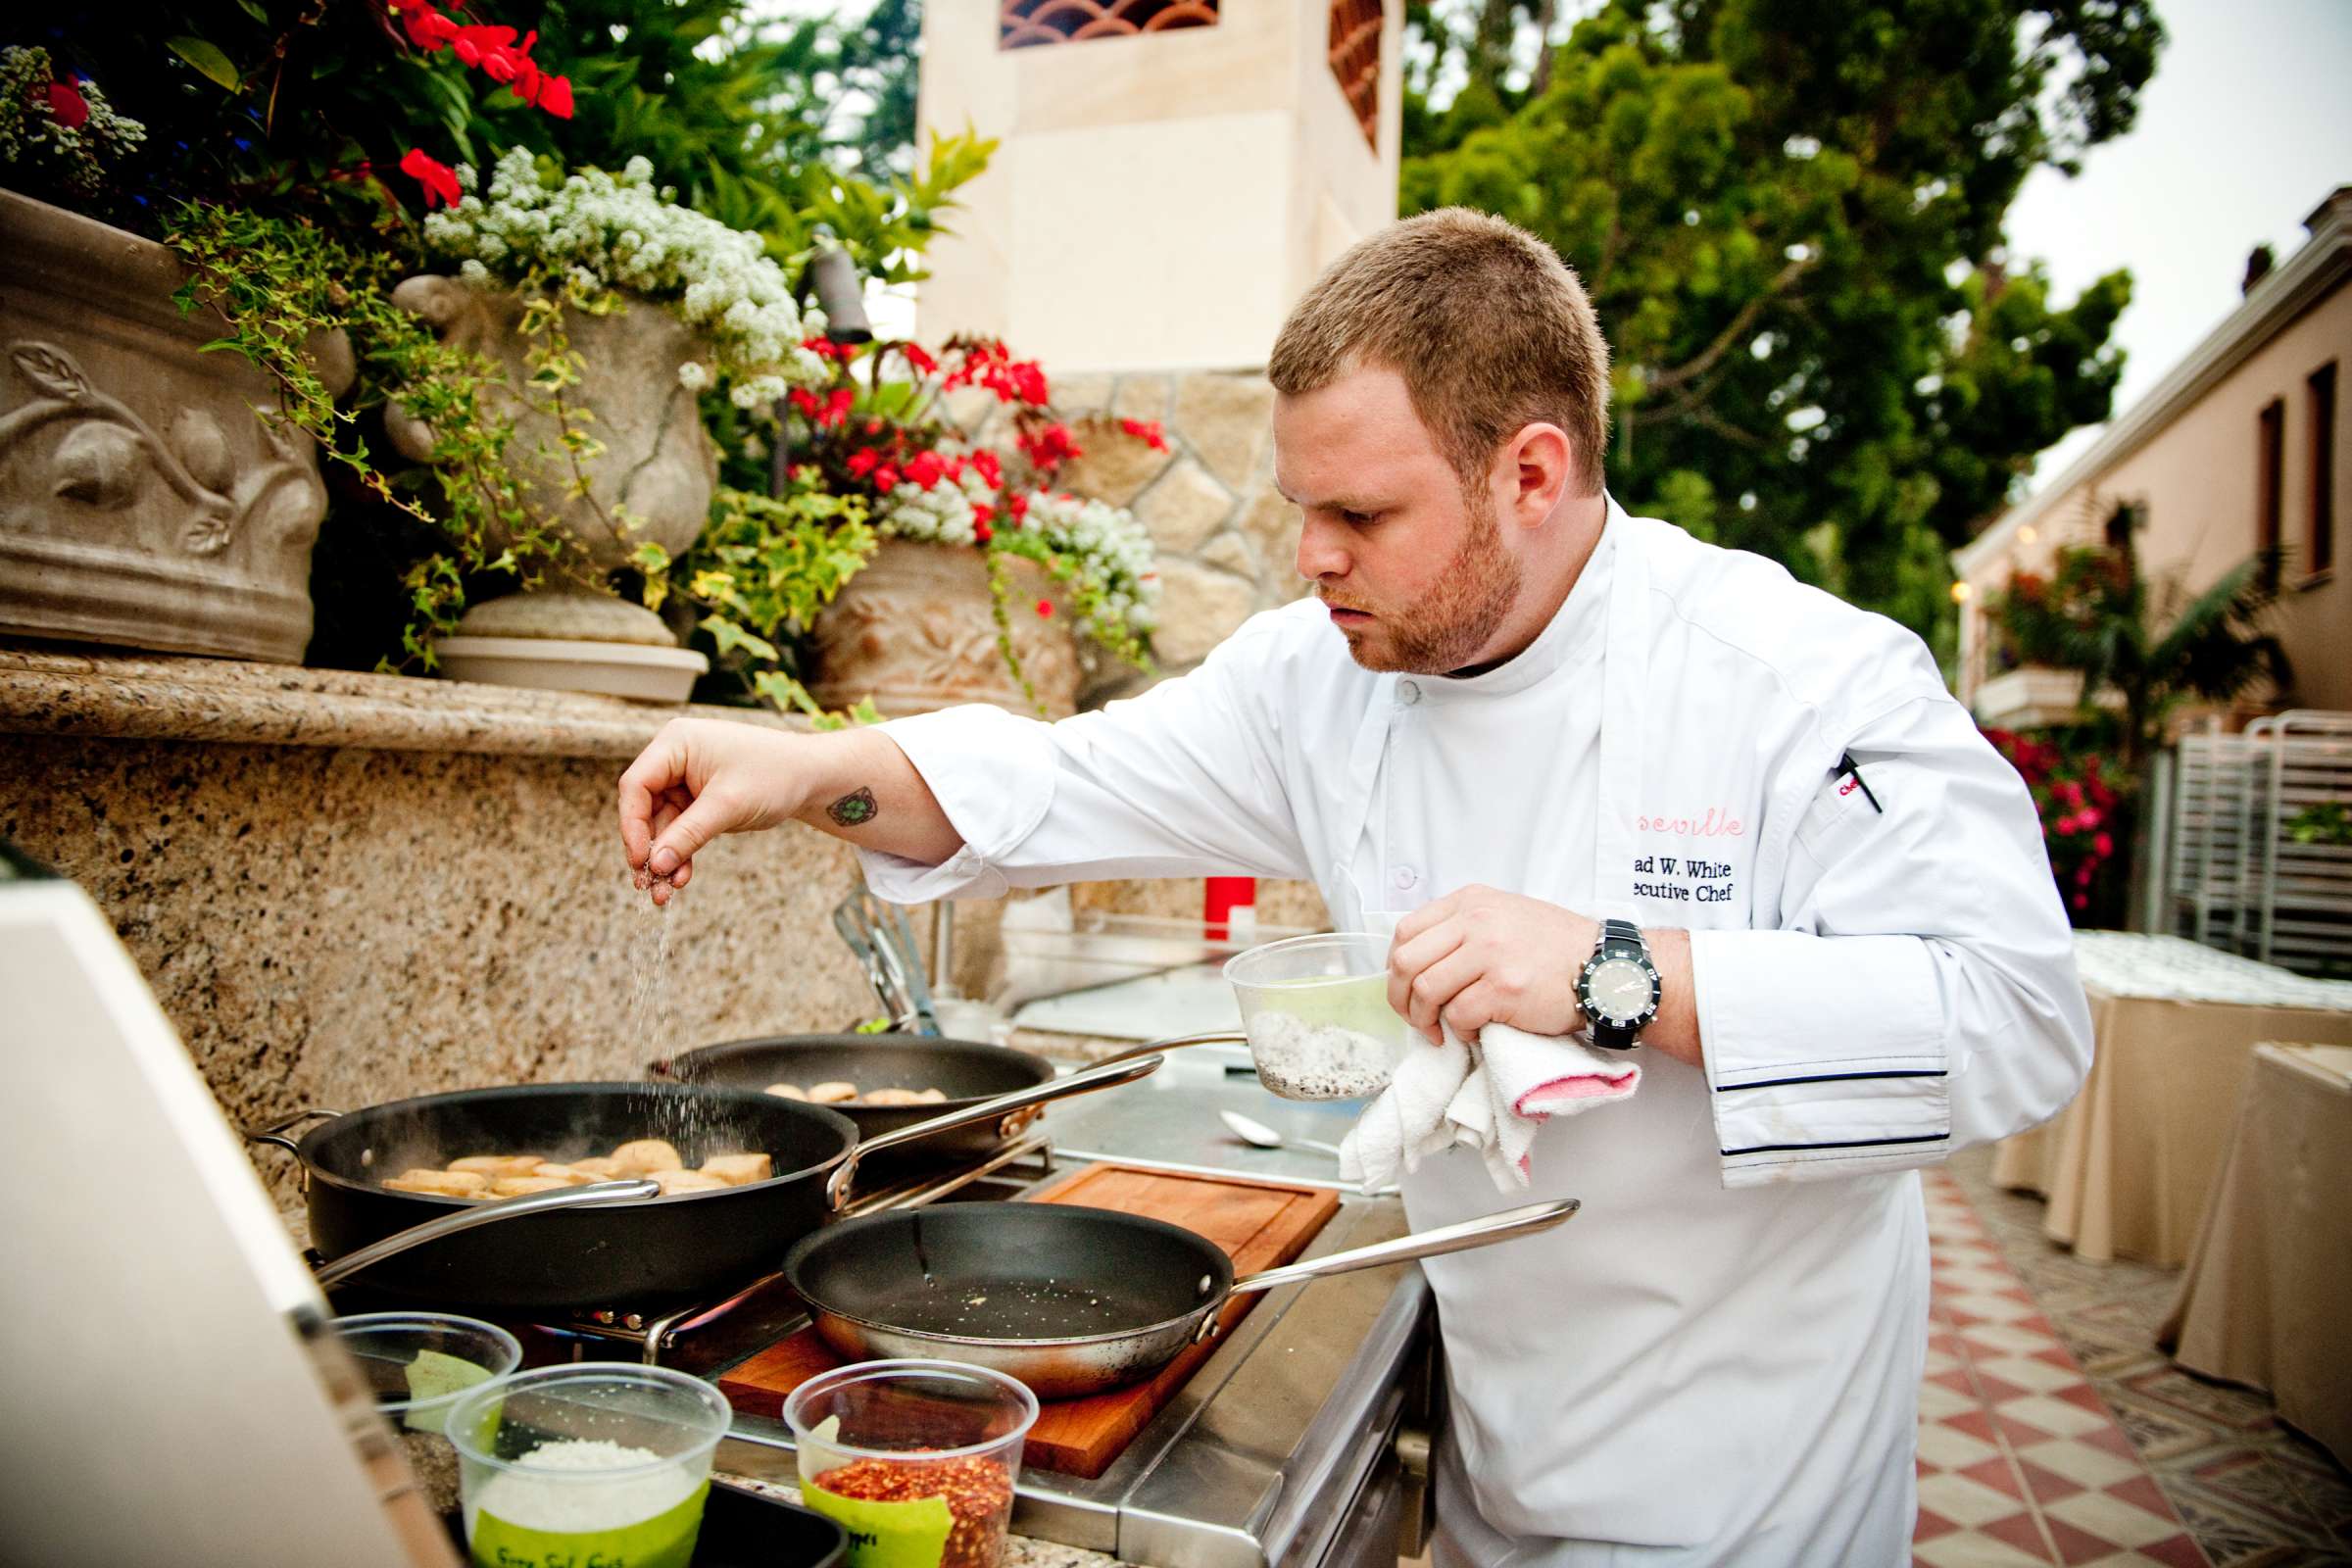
{"x": 882, "y": 937}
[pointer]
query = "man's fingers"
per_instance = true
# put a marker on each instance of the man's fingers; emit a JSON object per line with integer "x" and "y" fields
{"x": 1436, "y": 987}
{"x": 1472, "y": 1008}
{"x": 1406, "y": 961}
{"x": 707, "y": 818}
{"x": 658, "y": 770}
{"x": 1410, "y": 926}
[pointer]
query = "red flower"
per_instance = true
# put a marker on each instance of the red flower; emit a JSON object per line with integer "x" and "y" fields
{"x": 885, "y": 478}
{"x": 1045, "y": 610}
{"x": 917, "y": 358}
{"x": 472, "y": 44}
{"x": 67, "y": 106}
{"x": 2082, "y": 901}
{"x": 824, "y": 348}
{"x": 988, "y": 466}
{"x": 980, "y": 528}
{"x": 837, "y": 407}
{"x": 805, "y": 401}
{"x": 427, "y": 28}
{"x": 1148, "y": 431}
{"x": 554, "y": 96}
{"x": 2102, "y": 846}
{"x": 440, "y": 182}
{"x": 925, "y": 470}
{"x": 1018, "y": 505}
{"x": 863, "y": 462}
{"x": 1047, "y": 445}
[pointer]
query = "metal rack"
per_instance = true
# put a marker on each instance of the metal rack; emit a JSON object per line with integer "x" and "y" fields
{"x": 2298, "y": 896}
{"x": 2238, "y": 879}
{"x": 2211, "y": 803}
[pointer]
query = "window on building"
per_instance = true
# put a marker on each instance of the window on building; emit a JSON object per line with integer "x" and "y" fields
{"x": 1355, "y": 27}
{"x": 2270, "y": 475}
{"x": 1026, "y": 23}
{"x": 2321, "y": 546}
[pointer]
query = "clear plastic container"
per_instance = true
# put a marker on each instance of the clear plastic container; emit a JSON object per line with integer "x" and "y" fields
{"x": 420, "y": 1364}
{"x": 915, "y": 1459}
{"x": 594, "y": 1462}
{"x": 1317, "y": 1014}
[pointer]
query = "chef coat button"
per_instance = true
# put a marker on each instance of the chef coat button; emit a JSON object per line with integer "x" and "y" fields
{"x": 1408, "y": 692}
{"x": 1406, "y": 877}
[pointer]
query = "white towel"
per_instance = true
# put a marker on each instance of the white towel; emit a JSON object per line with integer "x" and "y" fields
{"x": 1491, "y": 1097}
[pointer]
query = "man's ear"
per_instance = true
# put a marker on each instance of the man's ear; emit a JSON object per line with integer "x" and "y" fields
{"x": 1539, "y": 464}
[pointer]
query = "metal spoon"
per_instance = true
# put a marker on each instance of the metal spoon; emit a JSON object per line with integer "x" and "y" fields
{"x": 1265, "y": 1137}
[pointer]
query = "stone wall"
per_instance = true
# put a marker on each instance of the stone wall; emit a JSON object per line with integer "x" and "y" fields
{"x": 1227, "y": 539}
{"x": 392, "y": 886}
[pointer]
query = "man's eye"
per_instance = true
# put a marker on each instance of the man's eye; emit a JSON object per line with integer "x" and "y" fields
{"x": 1358, "y": 520}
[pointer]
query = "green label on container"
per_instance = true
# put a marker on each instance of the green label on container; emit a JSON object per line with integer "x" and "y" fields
{"x": 886, "y": 1534}
{"x": 665, "y": 1541}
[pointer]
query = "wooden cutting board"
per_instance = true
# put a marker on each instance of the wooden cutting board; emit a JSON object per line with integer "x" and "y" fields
{"x": 1260, "y": 1224}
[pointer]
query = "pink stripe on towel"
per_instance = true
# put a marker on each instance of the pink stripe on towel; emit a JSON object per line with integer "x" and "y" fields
{"x": 1546, "y": 1098}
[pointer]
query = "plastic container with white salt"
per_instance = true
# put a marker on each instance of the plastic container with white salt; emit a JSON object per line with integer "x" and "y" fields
{"x": 588, "y": 1464}
{"x": 1315, "y": 1011}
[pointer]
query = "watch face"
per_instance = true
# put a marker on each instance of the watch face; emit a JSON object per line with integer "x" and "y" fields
{"x": 1620, "y": 990}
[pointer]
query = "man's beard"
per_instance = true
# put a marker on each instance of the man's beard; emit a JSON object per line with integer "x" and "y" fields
{"x": 1457, "y": 616}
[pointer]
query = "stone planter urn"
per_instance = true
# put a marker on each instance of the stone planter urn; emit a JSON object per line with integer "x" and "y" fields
{"x": 656, "y": 465}
{"x": 915, "y": 631}
{"x": 143, "y": 501}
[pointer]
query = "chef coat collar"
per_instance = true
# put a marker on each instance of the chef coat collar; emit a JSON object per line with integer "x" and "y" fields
{"x": 1574, "y": 633}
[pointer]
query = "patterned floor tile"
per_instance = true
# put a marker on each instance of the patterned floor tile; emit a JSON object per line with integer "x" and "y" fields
{"x": 2131, "y": 1461}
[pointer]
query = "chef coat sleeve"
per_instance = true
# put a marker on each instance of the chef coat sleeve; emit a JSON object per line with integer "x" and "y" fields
{"x": 1920, "y": 995}
{"x": 1181, "y": 781}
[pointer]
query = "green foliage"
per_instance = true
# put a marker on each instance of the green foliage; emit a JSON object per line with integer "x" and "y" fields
{"x": 1789, "y": 214}
{"x": 760, "y": 572}
{"x": 2155, "y": 644}
{"x": 2326, "y": 822}
{"x": 283, "y": 284}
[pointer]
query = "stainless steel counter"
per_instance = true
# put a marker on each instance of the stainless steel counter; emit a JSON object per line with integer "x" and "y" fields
{"x": 1280, "y": 1452}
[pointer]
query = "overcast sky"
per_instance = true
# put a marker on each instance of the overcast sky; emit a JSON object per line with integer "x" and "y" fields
{"x": 2245, "y": 129}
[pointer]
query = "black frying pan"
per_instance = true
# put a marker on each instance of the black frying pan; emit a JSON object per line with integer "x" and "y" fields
{"x": 647, "y": 1253}
{"x": 1070, "y": 1301}
{"x": 968, "y": 1072}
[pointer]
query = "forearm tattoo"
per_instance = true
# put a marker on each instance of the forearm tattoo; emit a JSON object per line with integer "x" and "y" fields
{"x": 855, "y": 809}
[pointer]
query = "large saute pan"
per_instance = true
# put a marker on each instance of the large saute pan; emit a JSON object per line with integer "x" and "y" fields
{"x": 1070, "y": 1301}
{"x": 967, "y": 1071}
{"x": 647, "y": 1251}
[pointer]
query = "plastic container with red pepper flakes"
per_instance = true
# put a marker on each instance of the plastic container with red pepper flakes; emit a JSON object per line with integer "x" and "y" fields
{"x": 915, "y": 1459}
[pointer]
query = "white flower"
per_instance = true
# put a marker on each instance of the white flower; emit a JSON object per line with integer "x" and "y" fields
{"x": 608, "y": 231}
{"x": 691, "y": 377}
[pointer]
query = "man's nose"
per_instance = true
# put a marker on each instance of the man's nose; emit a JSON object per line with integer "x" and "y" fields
{"x": 1322, "y": 549}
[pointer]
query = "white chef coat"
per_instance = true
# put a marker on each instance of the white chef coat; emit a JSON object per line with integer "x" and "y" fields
{"x": 1718, "y": 1361}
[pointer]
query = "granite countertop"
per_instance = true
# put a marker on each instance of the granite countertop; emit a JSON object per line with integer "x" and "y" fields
{"x": 47, "y": 691}
{"x": 1020, "y": 1551}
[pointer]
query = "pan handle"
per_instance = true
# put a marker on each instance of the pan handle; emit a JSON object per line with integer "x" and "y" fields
{"x": 342, "y": 1268}
{"x": 1102, "y": 1075}
{"x": 275, "y": 1133}
{"x": 1214, "y": 1037}
{"x": 1511, "y": 1222}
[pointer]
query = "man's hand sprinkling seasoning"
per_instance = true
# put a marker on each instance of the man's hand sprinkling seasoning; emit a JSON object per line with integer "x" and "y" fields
{"x": 702, "y": 777}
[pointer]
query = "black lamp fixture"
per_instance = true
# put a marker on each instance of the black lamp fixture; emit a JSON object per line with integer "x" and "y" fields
{"x": 841, "y": 294}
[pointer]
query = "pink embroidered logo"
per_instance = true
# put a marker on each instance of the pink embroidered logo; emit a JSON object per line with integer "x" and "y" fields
{"x": 1715, "y": 824}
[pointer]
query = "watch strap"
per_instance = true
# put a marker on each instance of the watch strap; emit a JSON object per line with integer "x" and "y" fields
{"x": 1616, "y": 935}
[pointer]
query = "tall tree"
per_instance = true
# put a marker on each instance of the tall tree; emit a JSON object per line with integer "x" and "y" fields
{"x": 1789, "y": 216}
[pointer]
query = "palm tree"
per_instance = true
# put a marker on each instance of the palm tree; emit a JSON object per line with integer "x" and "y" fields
{"x": 2155, "y": 646}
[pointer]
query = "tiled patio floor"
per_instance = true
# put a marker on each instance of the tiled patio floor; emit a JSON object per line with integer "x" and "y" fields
{"x": 2052, "y": 1431}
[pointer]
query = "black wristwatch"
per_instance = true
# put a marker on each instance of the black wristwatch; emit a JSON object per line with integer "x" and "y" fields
{"x": 1618, "y": 986}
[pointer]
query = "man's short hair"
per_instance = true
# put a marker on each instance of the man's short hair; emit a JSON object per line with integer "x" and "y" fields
{"x": 1490, "y": 330}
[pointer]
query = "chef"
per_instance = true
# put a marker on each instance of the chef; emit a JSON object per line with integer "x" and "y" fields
{"x": 1528, "y": 729}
